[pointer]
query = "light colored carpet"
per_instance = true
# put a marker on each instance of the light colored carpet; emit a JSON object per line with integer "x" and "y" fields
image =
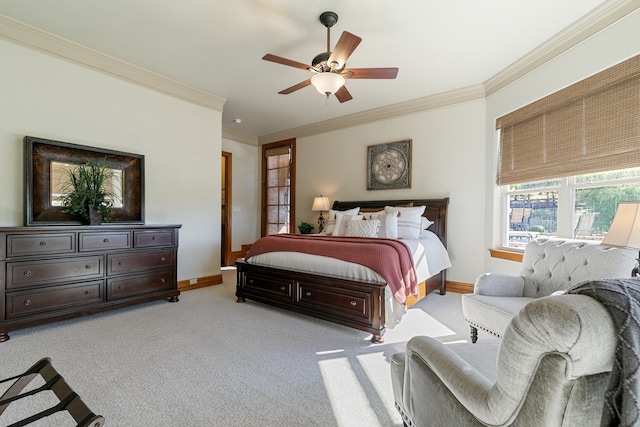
{"x": 208, "y": 360}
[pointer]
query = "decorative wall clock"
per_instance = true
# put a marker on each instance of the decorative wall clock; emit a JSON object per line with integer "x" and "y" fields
{"x": 389, "y": 166}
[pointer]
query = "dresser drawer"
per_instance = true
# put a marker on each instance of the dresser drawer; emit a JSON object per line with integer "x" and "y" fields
{"x": 346, "y": 303}
{"x": 23, "y": 303}
{"x": 140, "y": 284}
{"x": 127, "y": 262}
{"x": 150, "y": 238}
{"x": 40, "y": 244}
{"x": 103, "y": 241}
{"x": 257, "y": 284}
{"x": 31, "y": 273}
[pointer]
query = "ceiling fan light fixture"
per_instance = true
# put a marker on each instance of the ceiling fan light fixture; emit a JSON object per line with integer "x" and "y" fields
{"x": 327, "y": 83}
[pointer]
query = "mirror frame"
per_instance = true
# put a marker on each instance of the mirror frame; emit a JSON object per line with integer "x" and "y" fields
{"x": 38, "y": 154}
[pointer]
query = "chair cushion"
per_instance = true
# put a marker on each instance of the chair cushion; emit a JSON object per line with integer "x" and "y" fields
{"x": 490, "y": 313}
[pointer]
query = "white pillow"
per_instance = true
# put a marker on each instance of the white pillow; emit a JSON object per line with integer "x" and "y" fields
{"x": 388, "y": 223}
{"x": 367, "y": 228}
{"x": 331, "y": 220}
{"x": 425, "y": 223}
{"x": 409, "y": 220}
{"x": 341, "y": 223}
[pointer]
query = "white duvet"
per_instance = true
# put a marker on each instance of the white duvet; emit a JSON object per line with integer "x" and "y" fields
{"x": 429, "y": 258}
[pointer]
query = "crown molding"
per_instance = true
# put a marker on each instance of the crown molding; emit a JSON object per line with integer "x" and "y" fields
{"x": 593, "y": 22}
{"x": 32, "y": 37}
{"x": 444, "y": 99}
{"x": 236, "y": 136}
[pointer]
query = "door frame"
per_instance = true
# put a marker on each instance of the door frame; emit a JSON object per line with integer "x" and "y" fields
{"x": 226, "y": 243}
{"x": 291, "y": 144}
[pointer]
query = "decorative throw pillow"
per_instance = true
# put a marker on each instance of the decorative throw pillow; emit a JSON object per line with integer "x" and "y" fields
{"x": 388, "y": 223}
{"x": 409, "y": 220}
{"x": 331, "y": 220}
{"x": 367, "y": 228}
{"x": 341, "y": 223}
{"x": 425, "y": 222}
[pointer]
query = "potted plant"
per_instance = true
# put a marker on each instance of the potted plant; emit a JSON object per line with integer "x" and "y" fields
{"x": 86, "y": 192}
{"x": 305, "y": 227}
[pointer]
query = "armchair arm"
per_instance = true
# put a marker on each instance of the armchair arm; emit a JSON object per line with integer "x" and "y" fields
{"x": 469, "y": 387}
{"x": 499, "y": 285}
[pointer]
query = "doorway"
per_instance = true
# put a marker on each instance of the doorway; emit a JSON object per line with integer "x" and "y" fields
{"x": 225, "y": 232}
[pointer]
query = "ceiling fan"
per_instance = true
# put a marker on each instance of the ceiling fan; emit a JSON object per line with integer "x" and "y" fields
{"x": 328, "y": 68}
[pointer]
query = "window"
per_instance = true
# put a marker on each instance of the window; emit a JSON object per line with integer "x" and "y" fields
{"x": 580, "y": 207}
{"x": 278, "y": 187}
{"x": 566, "y": 160}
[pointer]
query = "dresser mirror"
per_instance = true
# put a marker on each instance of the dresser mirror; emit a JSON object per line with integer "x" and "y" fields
{"x": 47, "y": 164}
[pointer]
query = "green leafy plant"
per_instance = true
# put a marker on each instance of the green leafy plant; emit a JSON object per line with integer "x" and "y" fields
{"x": 305, "y": 227}
{"x": 86, "y": 188}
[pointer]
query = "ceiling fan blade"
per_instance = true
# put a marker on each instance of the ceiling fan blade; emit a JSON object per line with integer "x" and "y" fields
{"x": 370, "y": 73}
{"x": 343, "y": 95}
{"x": 343, "y": 50}
{"x": 294, "y": 88}
{"x": 285, "y": 61}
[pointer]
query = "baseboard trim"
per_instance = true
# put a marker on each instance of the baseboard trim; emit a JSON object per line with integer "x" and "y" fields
{"x": 459, "y": 287}
{"x": 203, "y": 282}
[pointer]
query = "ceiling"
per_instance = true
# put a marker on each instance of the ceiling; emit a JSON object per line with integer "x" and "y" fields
{"x": 216, "y": 46}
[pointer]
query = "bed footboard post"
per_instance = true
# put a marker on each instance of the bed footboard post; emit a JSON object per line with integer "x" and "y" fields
{"x": 443, "y": 282}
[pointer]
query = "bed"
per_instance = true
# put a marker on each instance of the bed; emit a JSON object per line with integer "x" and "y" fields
{"x": 314, "y": 286}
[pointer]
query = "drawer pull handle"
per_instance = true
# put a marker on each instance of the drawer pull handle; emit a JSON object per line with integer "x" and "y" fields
{"x": 353, "y": 303}
{"x": 27, "y": 273}
{"x": 162, "y": 280}
{"x": 283, "y": 288}
{"x": 27, "y": 302}
{"x": 153, "y": 237}
{"x": 163, "y": 259}
{"x": 87, "y": 292}
{"x": 88, "y": 266}
{"x": 106, "y": 240}
{"x": 308, "y": 293}
{"x": 120, "y": 286}
{"x": 43, "y": 243}
{"x": 250, "y": 280}
{"x": 119, "y": 262}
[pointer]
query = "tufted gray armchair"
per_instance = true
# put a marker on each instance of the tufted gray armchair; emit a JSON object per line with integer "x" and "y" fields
{"x": 548, "y": 265}
{"x": 551, "y": 368}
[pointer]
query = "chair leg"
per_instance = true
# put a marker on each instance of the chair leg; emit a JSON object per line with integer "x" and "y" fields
{"x": 474, "y": 334}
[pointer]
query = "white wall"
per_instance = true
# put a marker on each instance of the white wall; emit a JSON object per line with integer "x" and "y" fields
{"x": 447, "y": 161}
{"x": 48, "y": 97}
{"x": 610, "y": 46}
{"x": 245, "y": 192}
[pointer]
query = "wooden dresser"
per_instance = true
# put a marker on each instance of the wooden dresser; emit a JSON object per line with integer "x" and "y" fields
{"x": 54, "y": 273}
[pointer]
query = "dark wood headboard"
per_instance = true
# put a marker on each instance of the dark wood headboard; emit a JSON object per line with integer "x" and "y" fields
{"x": 436, "y": 211}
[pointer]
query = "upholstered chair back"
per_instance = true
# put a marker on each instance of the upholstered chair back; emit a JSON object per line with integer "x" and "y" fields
{"x": 550, "y": 265}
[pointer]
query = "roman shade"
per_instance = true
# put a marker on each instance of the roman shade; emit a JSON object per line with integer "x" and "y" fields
{"x": 590, "y": 126}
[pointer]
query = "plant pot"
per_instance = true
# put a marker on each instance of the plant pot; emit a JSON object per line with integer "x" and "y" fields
{"x": 94, "y": 216}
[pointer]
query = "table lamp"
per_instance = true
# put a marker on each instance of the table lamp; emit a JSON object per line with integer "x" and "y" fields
{"x": 625, "y": 229}
{"x": 320, "y": 204}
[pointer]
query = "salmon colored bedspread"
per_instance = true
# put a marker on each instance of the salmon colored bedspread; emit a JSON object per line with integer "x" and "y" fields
{"x": 389, "y": 258}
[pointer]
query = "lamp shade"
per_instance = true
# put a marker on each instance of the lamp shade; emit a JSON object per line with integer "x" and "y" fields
{"x": 320, "y": 204}
{"x": 625, "y": 228}
{"x": 327, "y": 82}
